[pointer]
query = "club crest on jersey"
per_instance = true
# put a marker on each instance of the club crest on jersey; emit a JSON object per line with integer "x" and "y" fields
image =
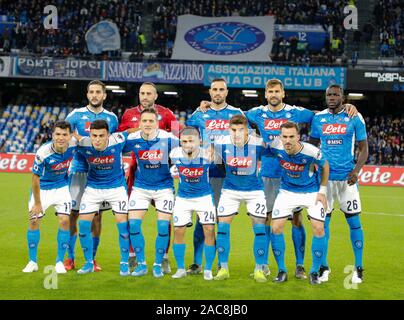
{"x": 240, "y": 162}
{"x": 292, "y": 166}
{"x": 288, "y": 115}
{"x": 274, "y": 124}
{"x": 151, "y": 155}
{"x": 102, "y": 160}
{"x": 62, "y": 165}
{"x": 217, "y": 124}
{"x": 191, "y": 172}
{"x": 334, "y": 128}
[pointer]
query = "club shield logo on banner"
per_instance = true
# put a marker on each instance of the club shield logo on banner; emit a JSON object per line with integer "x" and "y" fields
{"x": 223, "y": 38}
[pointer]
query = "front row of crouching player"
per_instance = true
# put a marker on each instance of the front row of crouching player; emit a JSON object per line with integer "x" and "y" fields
{"x": 303, "y": 184}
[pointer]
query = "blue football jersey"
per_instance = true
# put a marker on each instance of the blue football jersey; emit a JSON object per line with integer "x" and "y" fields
{"x": 211, "y": 125}
{"x": 105, "y": 167}
{"x": 152, "y": 157}
{"x": 268, "y": 123}
{"x": 298, "y": 172}
{"x": 193, "y": 174}
{"x": 52, "y": 167}
{"x": 241, "y": 163}
{"x": 337, "y": 134}
{"x": 80, "y": 119}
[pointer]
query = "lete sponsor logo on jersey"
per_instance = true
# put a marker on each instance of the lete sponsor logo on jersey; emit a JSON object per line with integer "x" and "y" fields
{"x": 87, "y": 126}
{"x": 102, "y": 160}
{"x": 151, "y": 155}
{"x": 63, "y": 165}
{"x": 274, "y": 124}
{"x": 334, "y": 128}
{"x": 240, "y": 162}
{"x": 191, "y": 172}
{"x": 217, "y": 124}
{"x": 292, "y": 166}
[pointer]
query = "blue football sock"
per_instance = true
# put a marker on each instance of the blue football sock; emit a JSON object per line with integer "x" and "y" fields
{"x": 223, "y": 243}
{"x": 317, "y": 250}
{"x": 199, "y": 239}
{"x": 137, "y": 239}
{"x": 356, "y": 233}
{"x": 179, "y": 254}
{"x": 96, "y": 242}
{"x": 161, "y": 240}
{"x": 72, "y": 244}
{"x": 63, "y": 244}
{"x": 123, "y": 240}
{"x": 210, "y": 252}
{"x": 268, "y": 242}
{"x": 278, "y": 249}
{"x": 259, "y": 244}
{"x": 324, "y": 261}
{"x": 33, "y": 237}
{"x": 86, "y": 240}
{"x": 299, "y": 242}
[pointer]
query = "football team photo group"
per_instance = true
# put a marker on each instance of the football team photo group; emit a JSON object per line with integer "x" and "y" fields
{"x": 220, "y": 159}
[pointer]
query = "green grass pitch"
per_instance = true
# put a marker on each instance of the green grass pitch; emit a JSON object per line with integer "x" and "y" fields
{"x": 383, "y": 223}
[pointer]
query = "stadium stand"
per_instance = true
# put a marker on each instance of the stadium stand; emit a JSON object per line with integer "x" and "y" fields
{"x": 75, "y": 18}
{"x": 25, "y": 127}
{"x": 389, "y": 15}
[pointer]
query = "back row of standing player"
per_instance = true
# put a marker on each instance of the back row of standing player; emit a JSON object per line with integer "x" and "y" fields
{"x": 215, "y": 121}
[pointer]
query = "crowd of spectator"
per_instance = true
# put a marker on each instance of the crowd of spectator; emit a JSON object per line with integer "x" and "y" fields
{"x": 386, "y": 140}
{"x": 327, "y": 13}
{"x": 74, "y": 19}
{"x": 389, "y": 15}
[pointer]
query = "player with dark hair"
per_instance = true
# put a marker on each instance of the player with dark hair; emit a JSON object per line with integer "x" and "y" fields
{"x": 50, "y": 188}
{"x": 80, "y": 120}
{"x": 337, "y": 133}
{"x": 130, "y": 123}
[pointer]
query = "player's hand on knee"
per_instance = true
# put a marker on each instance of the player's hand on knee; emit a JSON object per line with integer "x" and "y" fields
{"x": 35, "y": 212}
{"x": 351, "y": 110}
{"x": 204, "y": 105}
{"x": 321, "y": 198}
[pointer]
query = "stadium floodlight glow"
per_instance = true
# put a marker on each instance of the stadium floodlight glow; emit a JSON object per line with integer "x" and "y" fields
{"x": 251, "y": 95}
{"x": 355, "y": 95}
{"x": 112, "y": 87}
{"x": 249, "y": 91}
{"x": 118, "y": 91}
{"x": 170, "y": 93}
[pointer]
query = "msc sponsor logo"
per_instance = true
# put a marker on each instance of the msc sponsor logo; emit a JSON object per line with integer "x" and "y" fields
{"x": 334, "y": 142}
